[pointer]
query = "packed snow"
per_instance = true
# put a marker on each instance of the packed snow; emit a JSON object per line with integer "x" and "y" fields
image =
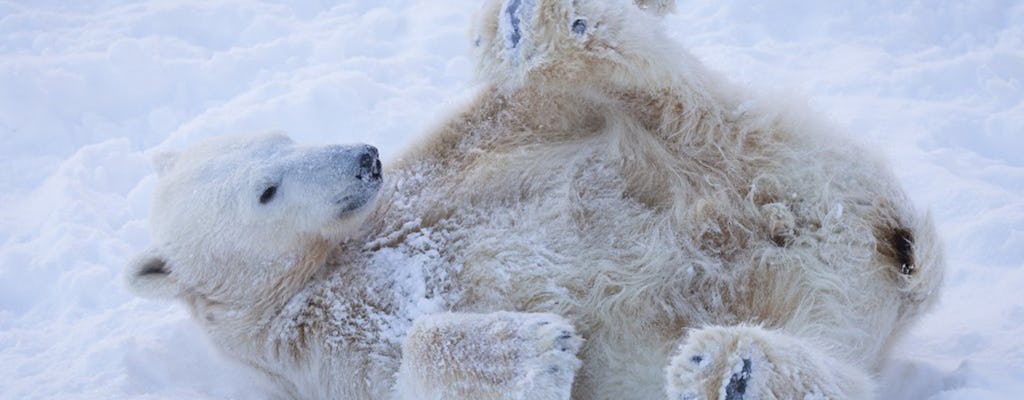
{"x": 90, "y": 90}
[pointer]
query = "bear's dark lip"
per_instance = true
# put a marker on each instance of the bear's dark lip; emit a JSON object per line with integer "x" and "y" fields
{"x": 353, "y": 203}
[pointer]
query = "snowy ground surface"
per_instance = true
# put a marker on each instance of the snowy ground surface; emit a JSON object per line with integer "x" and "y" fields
{"x": 88, "y": 89}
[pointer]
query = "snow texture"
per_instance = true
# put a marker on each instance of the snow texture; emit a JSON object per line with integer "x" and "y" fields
{"x": 90, "y": 90}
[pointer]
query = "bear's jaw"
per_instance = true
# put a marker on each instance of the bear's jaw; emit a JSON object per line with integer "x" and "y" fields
{"x": 243, "y": 275}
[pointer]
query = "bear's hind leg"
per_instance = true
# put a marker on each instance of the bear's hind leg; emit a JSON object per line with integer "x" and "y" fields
{"x": 502, "y": 355}
{"x": 748, "y": 363}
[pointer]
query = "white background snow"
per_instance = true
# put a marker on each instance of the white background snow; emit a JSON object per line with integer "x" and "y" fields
{"x": 88, "y": 89}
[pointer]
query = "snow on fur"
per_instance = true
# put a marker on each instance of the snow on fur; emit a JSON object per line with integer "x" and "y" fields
{"x": 601, "y": 175}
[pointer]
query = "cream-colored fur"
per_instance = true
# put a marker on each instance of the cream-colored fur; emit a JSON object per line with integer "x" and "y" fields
{"x": 706, "y": 244}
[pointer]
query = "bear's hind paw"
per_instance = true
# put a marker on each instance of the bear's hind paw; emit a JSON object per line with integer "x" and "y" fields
{"x": 748, "y": 363}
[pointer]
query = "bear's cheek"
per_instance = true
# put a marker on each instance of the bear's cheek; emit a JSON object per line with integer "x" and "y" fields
{"x": 299, "y": 217}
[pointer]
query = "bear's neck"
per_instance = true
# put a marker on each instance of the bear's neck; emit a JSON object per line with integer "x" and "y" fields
{"x": 242, "y": 326}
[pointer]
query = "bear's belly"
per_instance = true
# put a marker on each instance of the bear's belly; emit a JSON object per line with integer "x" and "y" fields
{"x": 633, "y": 260}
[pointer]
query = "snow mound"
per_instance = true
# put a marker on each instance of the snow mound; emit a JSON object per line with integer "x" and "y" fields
{"x": 89, "y": 89}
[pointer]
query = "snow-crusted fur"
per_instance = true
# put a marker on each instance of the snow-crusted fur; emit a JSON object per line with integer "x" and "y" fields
{"x": 603, "y": 184}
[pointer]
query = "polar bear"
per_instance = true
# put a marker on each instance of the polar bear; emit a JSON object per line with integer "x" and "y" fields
{"x": 605, "y": 220}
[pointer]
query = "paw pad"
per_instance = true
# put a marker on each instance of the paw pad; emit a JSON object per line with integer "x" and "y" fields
{"x": 738, "y": 382}
{"x": 513, "y": 18}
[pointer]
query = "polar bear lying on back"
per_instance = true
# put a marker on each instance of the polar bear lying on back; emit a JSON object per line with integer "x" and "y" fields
{"x": 603, "y": 186}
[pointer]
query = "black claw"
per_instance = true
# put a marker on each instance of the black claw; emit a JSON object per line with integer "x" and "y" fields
{"x": 579, "y": 26}
{"x": 738, "y": 383}
{"x": 696, "y": 359}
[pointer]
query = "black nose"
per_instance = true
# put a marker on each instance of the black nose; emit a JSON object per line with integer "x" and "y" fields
{"x": 369, "y": 164}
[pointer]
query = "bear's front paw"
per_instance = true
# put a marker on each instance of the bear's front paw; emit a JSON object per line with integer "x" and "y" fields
{"x": 548, "y": 346}
{"x": 750, "y": 363}
{"x": 501, "y": 355}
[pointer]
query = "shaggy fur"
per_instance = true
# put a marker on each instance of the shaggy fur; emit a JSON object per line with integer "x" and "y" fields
{"x": 603, "y": 184}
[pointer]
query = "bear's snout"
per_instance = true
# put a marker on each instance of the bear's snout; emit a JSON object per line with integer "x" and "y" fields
{"x": 369, "y": 164}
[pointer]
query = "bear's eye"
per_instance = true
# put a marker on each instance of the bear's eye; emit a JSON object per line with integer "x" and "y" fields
{"x": 268, "y": 194}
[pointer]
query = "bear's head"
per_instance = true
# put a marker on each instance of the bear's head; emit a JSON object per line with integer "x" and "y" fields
{"x": 232, "y": 215}
{"x": 574, "y": 44}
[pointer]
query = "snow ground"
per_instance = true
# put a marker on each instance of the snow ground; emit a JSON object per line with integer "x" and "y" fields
{"x": 89, "y": 89}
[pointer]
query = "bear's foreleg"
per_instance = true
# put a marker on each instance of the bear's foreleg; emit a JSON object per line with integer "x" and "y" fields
{"x": 748, "y": 363}
{"x": 501, "y": 355}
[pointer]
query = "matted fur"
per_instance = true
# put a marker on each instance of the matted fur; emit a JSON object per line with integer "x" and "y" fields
{"x": 703, "y": 242}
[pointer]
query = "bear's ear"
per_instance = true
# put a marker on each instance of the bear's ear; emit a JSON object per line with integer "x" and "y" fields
{"x": 657, "y": 7}
{"x": 163, "y": 161}
{"x": 149, "y": 275}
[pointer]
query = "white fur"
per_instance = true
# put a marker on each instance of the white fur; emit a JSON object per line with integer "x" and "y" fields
{"x": 603, "y": 183}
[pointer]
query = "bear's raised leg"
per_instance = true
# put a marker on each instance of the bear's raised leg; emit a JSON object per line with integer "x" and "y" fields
{"x": 501, "y": 355}
{"x": 748, "y": 363}
{"x": 564, "y": 40}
